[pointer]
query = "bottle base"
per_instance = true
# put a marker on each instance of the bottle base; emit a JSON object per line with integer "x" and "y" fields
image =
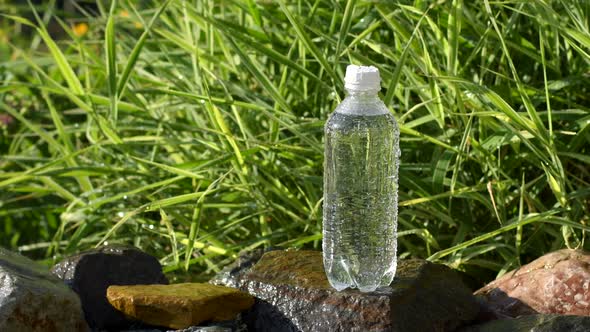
{"x": 339, "y": 287}
{"x": 368, "y": 289}
{"x": 341, "y": 276}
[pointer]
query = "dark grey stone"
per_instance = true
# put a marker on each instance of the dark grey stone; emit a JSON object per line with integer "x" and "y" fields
{"x": 90, "y": 273}
{"x": 234, "y": 325}
{"x": 293, "y": 294}
{"x": 31, "y": 299}
{"x": 232, "y": 274}
{"x": 212, "y": 328}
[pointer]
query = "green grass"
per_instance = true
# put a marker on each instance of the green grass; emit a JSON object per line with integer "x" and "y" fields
{"x": 193, "y": 129}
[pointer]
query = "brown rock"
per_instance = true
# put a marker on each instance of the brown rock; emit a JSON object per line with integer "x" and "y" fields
{"x": 179, "y": 306}
{"x": 557, "y": 283}
{"x": 536, "y": 323}
{"x": 293, "y": 294}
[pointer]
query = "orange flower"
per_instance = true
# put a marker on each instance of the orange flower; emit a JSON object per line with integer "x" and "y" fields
{"x": 125, "y": 14}
{"x": 80, "y": 29}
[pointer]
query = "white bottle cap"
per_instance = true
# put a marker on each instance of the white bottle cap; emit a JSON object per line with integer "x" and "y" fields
{"x": 362, "y": 78}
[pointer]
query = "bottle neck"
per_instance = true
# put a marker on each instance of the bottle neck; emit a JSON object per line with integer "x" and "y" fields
{"x": 362, "y": 102}
{"x": 362, "y": 93}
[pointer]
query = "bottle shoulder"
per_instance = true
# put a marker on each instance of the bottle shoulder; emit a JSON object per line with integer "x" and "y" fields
{"x": 362, "y": 106}
{"x": 339, "y": 121}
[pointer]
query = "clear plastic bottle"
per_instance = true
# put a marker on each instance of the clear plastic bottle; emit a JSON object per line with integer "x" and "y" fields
{"x": 360, "y": 187}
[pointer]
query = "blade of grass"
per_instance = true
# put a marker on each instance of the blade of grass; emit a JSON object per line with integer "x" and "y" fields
{"x": 264, "y": 81}
{"x": 60, "y": 59}
{"x": 393, "y": 82}
{"x": 538, "y": 126}
{"x": 528, "y": 219}
{"x": 344, "y": 29}
{"x": 111, "y": 62}
{"x": 124, "y": 78}
{"x": 195, "y": 225}
{"x": 309, "y": 44}
{"x": 171, "y": 234}
{"x": 453, "y": 33}
{"x": 254, "y": 12}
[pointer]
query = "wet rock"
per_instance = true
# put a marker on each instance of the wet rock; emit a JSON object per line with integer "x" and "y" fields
{"x": 555, "y": 283}
{"x": 536, "y": 323}
{"x": 179, "y": 306}
{"x": 293, "y": 294}
{"x": 487, "y": 312}
{"x": 232, "y": 274}
{"x": 213, "y": 328}
{"x": 234, "y": 325}
{"x": 31, "y": 299}
{"x": 90, "y": 274}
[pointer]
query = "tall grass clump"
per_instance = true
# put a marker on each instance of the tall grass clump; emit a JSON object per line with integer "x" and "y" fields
{"x": 193, "y": 129}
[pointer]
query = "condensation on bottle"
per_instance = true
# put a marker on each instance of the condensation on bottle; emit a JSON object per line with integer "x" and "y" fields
{"x": 360, "y": 186}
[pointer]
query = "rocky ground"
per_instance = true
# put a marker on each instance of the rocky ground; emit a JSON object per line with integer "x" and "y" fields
{"x": 123, "y": 289}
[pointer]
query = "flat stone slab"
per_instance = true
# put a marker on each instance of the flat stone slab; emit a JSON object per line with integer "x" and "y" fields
{"x": 293, "y": 294}
{"x": 179, "y": 306}
{"x": 536, "y": 323}
{"x": 91, "y": 272}
{"x": 31, "y": 299}
{"x": 556, "y": 283}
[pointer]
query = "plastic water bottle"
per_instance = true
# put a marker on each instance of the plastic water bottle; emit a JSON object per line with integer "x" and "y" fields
{"x": 360, "y": 186}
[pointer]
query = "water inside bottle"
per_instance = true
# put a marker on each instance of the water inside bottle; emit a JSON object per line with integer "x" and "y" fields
{"x": 360, "y": 200}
